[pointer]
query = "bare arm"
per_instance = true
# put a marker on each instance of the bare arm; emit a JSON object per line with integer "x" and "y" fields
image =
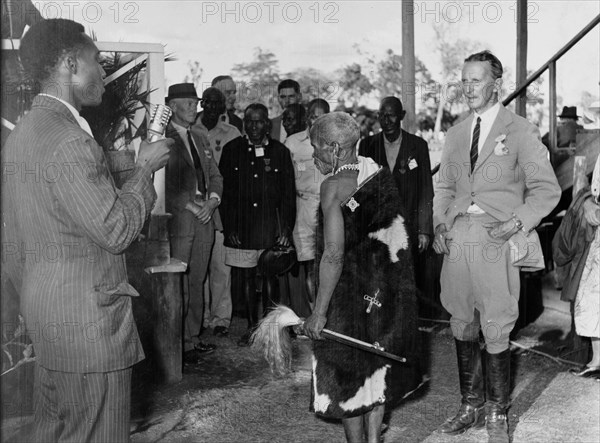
{"x": 332, "y": 262}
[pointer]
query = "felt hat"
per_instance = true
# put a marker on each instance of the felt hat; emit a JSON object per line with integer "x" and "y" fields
{"x": 182, "y": 90}
{"x": 277, "y": 260}
{"x": 569, "y": 112}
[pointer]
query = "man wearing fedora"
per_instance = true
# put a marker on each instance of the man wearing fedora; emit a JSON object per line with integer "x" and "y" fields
{"x": 193, "y": 192}
{"x": 566, "y": 133}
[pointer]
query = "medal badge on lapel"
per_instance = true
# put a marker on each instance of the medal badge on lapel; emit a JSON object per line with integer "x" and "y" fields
{"x": 218, "y": 147}
{"x": 267, "y": 164}
{"x": 402, "y": 166}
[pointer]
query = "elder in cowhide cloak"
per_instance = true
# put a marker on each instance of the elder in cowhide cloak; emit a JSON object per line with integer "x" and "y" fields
{"x": 364, "y": 262}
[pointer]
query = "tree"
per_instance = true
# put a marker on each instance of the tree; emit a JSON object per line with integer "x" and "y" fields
{"x": 315, "y": 84}
{"x": 195, "y": 74}
{"x": 258, "y": 79}
{"x": 354, "y": 84}
{"x": 453, "y": 50}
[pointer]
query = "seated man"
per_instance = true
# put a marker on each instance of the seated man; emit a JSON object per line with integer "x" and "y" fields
{"x": 259, "y": 205}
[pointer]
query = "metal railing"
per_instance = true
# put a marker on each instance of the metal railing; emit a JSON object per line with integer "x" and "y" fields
{"x": 551, "y": 66}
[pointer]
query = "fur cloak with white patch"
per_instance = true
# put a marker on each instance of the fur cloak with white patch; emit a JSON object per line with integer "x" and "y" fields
{"x": 346, "y": 381}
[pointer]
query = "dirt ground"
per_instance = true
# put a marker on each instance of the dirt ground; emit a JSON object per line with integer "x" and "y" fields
{"x": 231, "y": 396}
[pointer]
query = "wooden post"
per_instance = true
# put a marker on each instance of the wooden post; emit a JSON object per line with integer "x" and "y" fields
{"x": 409, "y": 87}
{"x": 167, "y": 319}
{"x": 521, "y": 102}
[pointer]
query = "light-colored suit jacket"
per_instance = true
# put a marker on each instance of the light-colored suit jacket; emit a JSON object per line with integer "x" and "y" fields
{"x": 182, "y": 183}
{"x": 275, "y": 133}
{"x": 515, "y": 179}
{"x": 67, "y": 226}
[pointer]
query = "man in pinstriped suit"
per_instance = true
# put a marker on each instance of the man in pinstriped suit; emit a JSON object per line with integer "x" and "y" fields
{"x": 71, "y": 226}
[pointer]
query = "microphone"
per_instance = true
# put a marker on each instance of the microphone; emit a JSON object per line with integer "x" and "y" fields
{"x": 159, "y": 118}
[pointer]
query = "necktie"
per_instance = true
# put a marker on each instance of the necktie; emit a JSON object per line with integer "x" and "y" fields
{"x": 475, "y": 144}
{"x": 197, "y": 164}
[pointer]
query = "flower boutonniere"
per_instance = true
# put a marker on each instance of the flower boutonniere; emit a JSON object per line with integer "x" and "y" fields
{"x": 500, "y": 148}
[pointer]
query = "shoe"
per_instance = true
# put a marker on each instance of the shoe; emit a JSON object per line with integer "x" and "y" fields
{"x": 195, "y": 355}
{"x": 470, "y": 375}
{"x": 221, "y": 331}
{"x": 587, "y": 372}
{"x": 245, "y": 339}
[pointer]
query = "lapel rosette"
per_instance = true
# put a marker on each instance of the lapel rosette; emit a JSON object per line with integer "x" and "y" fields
{"x": 500, "y": 148}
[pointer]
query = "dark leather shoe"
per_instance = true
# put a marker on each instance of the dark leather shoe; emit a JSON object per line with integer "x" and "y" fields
{"x": 221, "y": 331}
{"x": 466, "y": 418}
{"x": 497, "y": 427}
{"x": 195, "y": 355}
{"x": 587, "y": 372}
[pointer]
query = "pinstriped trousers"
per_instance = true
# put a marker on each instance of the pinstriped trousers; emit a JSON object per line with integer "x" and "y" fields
{"x": 82, "y": 407}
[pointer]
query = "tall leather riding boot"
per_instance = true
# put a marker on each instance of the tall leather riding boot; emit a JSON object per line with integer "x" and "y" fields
{"x": 470, "y": 375}
{"x": 498, "y": 391}
{"x": 270, "y": 293}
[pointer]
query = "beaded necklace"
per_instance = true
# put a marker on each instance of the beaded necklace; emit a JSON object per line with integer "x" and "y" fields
{"x": 348, "y": 167}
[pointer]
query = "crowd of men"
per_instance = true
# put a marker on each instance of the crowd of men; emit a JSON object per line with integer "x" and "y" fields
{"x": 236, "y": 188}
{"x": 248, "y": 193}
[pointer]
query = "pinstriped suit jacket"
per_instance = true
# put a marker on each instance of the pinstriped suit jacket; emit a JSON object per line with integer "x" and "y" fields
{"x": 68, "y": 226}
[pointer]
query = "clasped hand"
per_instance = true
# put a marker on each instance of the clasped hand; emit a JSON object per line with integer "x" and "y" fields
{"x": 502, "y": 230}
{"x": 202, "y": 210}
{"x": 314, "y": 325}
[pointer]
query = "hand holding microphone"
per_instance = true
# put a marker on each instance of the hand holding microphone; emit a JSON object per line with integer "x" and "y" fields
{"x": 154, "y": 153}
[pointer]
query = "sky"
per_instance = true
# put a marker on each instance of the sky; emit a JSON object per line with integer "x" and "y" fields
{"x": 323, "y": 34}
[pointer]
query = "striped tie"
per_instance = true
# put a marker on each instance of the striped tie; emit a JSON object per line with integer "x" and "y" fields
{"x": 475, "y": 144}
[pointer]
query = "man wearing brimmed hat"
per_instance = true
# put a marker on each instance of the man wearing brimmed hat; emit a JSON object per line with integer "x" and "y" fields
{"x": 193, "y": 192}
{"x": 566, "y": 130}
{"x": 566, "y": 134}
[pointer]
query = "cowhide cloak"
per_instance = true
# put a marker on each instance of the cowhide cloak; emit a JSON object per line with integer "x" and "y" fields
{"x": 346, "y": 381}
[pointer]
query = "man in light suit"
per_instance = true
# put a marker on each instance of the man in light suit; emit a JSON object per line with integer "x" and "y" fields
{"x": 193, "y": 192}
{"x": 68, "y": 226}
{"x": 288, "y": 93}
{"x": 495, "y": 184}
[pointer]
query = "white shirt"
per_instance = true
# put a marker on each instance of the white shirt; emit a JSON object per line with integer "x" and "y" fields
{"x": 80, "y": 120}
{"x": 485, "y": 126}
{"x": 392, "y": 149}
{"x": 183, "y": 134}
{"x": 487, "y": 120}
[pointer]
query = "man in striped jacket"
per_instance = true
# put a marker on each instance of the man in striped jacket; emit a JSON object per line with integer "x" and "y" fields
{"x": 68, "y": 226}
